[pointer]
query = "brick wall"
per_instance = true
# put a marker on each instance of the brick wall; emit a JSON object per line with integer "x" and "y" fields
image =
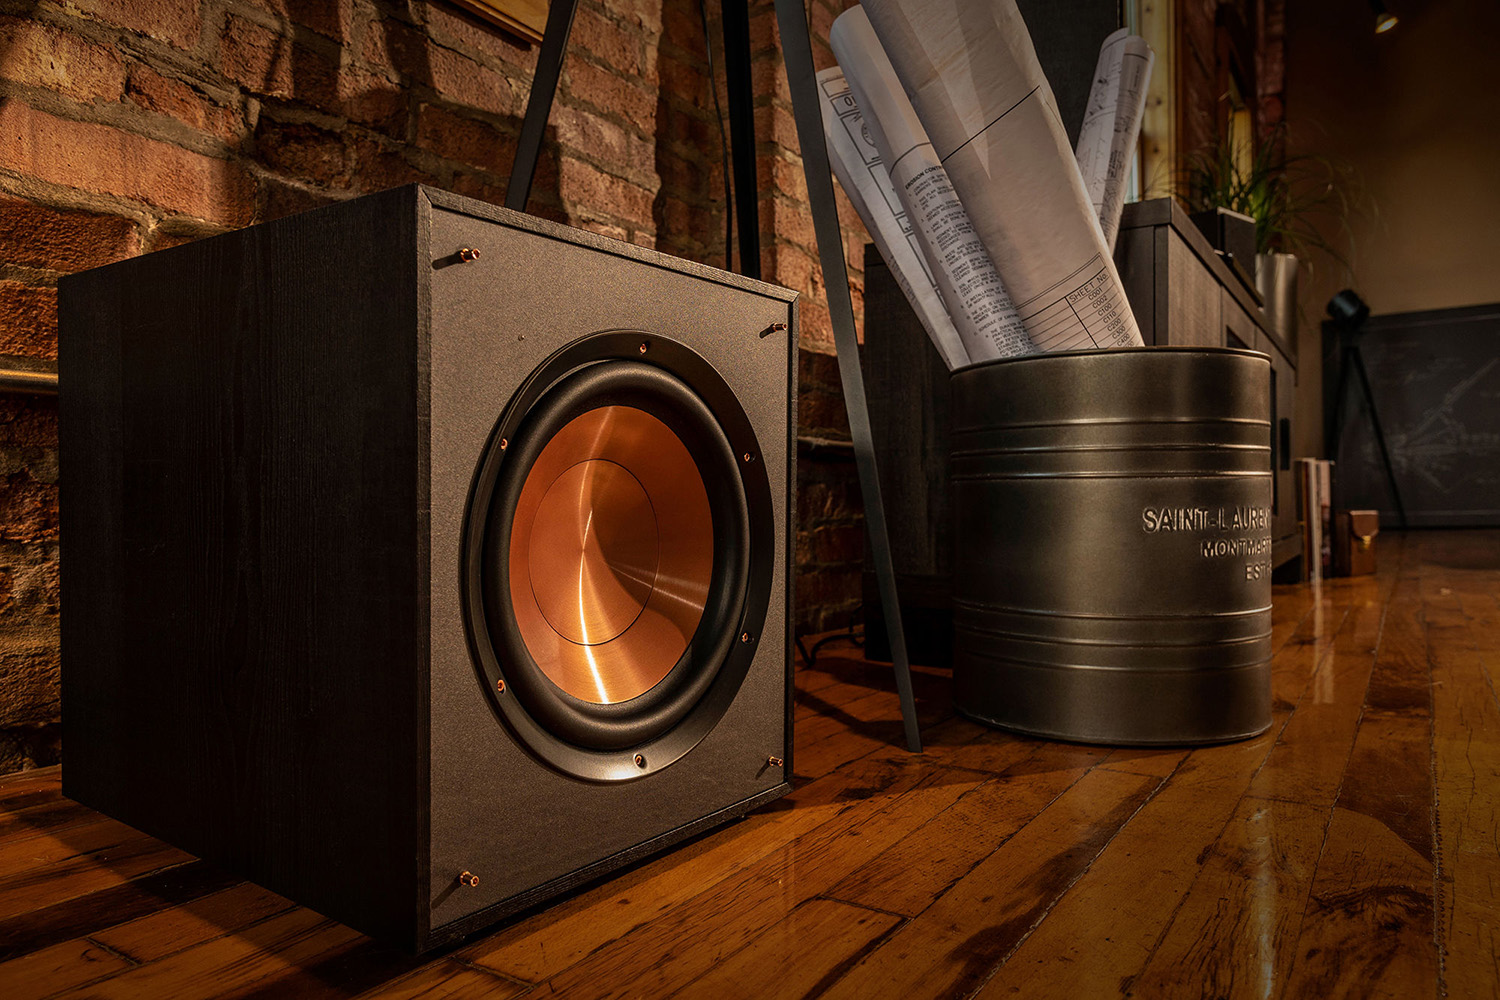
{"x": 131, "y": 125}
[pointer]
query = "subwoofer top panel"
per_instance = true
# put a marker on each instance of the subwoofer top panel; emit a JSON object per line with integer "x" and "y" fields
{"x": 494, "y": 323}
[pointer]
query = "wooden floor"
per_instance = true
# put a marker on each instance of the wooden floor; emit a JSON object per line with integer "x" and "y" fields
{"x": 1352, "y": 850}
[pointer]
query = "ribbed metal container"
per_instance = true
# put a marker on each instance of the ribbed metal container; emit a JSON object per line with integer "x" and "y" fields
{"x": 1112, "y": 528}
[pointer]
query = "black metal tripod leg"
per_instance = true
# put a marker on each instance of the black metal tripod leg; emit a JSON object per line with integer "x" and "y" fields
{"x": 1385, "y": 456}
{"x": 742, "y": 132}
{"x": 1334, "y": 427}
{"x": 539, "y": 104}
{"x": 797, "y": 49}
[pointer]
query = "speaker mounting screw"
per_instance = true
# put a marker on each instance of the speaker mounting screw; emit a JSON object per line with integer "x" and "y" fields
{"x": 775, "y": 761}
{"x": 468, "y": 878}
{"x": 467, "y": 254}
{"x": 645, "y": 346}
{"x": 500, "y": 685}
{"x": 640, "y": 761}
{"x": 748, "y": 457}
{"x": 503, "y": 444}
{"x": 744, "y": 637}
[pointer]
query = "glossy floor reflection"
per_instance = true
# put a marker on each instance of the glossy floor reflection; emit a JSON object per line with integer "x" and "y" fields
{"x": 1352, "y": 850}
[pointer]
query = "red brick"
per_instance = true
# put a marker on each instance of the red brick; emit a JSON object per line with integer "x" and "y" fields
{"x": 600, "y": 139}
{"x": 28, "y": 421}
{"x": 610, "y": 94}
{"x": 122, "y": 163}
{"x": 486, "y": 188}
{"x": 29, "y": 679}
{"x": 467, "y": 140}
{"x": 463, "y": 81}
{"x": 150, "y": 90}
{"x": 643, "y": 14}
{"x": 609, "y": 229}
{"x": 303, "y": 152}
{"x": 40, "y": 55}
{"x": 378, "y": 166}
{"x": 686, "y": 80}
{"x": 174, "y": 21}
{"x": 28, "y": 320}
{"x": 838, "y": 543}
{"x": 682, "y": 26}
{"x": 606, "y": 41}
{"x": 374, "y": 100}
{"x": 279, "y": 198}
{"x": 393, "y": 44}
{"x": 62, "y": 240}
{"x": 267, "y": 62}
{"x": 587, "y": 187}
{"x": 333, "y": 18}
{"x": 477, "y": 37}
{"x": 28, "y": 509}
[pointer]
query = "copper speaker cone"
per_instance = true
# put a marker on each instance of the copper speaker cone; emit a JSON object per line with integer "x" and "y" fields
{"x": 611, "y": 554}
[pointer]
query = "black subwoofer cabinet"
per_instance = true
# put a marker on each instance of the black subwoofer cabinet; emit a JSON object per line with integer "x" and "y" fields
{"x": 424, "y": 560}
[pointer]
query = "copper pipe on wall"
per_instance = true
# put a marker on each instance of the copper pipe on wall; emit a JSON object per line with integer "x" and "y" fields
{"x": 33, "y": 383}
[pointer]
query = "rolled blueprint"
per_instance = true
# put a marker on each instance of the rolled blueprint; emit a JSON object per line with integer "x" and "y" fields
{"x": 860, "y": 171}
{"x": 973, "y": 77}
{"x": 966, "y": 279}
{"x": 1112, "y": 125}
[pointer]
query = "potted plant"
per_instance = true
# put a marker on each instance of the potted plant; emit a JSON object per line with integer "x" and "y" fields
{"x": 1284, "y": 195}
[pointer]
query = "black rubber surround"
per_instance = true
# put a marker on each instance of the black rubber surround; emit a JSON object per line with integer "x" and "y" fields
{"x": 677, "y": 386}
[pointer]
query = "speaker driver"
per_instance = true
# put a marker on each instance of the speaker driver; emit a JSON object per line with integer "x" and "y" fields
{"x": 612, "y": 540}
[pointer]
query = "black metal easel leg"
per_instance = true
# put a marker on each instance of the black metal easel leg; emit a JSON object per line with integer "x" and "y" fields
{"x": 539, "y": 104}
{"x": 742, "y": 132}
{"x": 791, "y": 17}
{"x": 1385, "y": 456}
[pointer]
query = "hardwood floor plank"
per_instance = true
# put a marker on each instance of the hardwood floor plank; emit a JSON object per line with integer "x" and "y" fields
{"x": 929, "y": 861}
{"x": 32, "y": 850}
{"x": 798, "y": 956}
{"x": 950, "y": 948}
{"x": 169, "y": 931}
{"x": 94, "y": 912}
{"x": 667, "y": 954}
{"x": 1235, "y": 933}
{"x": 39, "y": 784}
{"x": 445, "y": 980}
{"x": 1466, "y": 775}
{"x": 88, "y": 873}
{"x": 59, "y": 967}
{"x": 1353, "y": 850}
{"x": 566, "y": 933}
{"x": 1369, "y": 922}
{"x": 1308, "y": 759}
{"x": 261, "y": 955}
{"x": 1139, "y": 880}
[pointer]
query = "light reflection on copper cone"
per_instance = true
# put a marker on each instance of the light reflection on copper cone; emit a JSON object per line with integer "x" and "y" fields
{"x": 611, "y": 554}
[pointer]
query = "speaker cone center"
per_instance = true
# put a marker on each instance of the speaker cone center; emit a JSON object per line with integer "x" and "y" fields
{"x": 594, "y": 552}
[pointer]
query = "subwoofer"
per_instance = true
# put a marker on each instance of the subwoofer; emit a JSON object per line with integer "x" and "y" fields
{"x": 425, "y": 560}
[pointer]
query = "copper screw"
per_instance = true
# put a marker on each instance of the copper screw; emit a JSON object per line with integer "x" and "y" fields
{"x": 468, "y": 878}
{"x": 468, "y": 254}
{"x": 775, "y": 761}
{"x": 503, "y": 444}
{"x": 744, "y": 637}
{"x": 644, "y": 345}
{"x": 748, "y": 457}
{"x": 500, "y": 685}
{"x": 640, "y": 761}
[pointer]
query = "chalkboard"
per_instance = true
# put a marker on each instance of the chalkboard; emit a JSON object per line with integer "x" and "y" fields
{"x": 1435, "y": 377}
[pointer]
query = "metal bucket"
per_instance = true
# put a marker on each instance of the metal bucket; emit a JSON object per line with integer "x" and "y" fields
{"x": 1112, "y": 530}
